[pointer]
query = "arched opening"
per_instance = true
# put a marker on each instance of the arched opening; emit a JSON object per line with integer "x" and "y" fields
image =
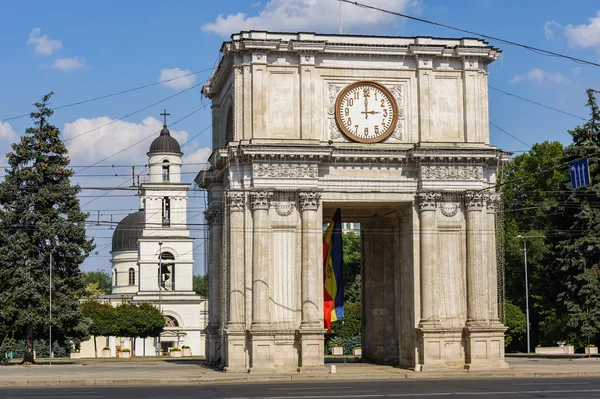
{"x": 165, "y": 171}
{"x": 115, "y": 274}
{"x": 166, "y": 212}
{"x": 170, "y": 321}
{"x": 167, "y": 271}
{"x": 229, "y": 125}
{"x": 131, "y": 276}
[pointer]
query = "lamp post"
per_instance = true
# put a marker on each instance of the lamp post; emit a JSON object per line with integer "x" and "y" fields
{"x": 159, "y": 289}
{"x": 49, "y": 245}
{"x": 526, "y": 291}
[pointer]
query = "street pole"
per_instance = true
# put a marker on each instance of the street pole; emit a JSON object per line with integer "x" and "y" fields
{"x": 50, "y": 338}
{"x": 526, "y": 291}
{"x": 159, "y": 289}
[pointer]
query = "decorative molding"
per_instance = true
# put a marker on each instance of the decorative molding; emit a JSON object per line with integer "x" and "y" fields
{"x": 261, "y": 200}
{"x": 213, "y": 217}
{"x": 438, "y": 172}
{"x": 449, "y": 209}
{"x": 309, "y": 201}
{"x": 333, "y": 90}
{"x": 492, "y": 202}
{"x": 285, "y": 171}
{"x": 474, "y": 201}
{"x": 284, "y": 203}
{"x": 236, "y": 201}
{"x": 428, "y": 200}
{"x": 398, "y": 92}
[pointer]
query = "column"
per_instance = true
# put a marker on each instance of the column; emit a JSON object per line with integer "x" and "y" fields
{"x": 311, "y": 329}
{"x": 477, "y": 276}
{"x": 261, "y": 201}
{"x": 235, "y": 204}
{"x": 492, "y": 258}
{"x": 428, "y": 245}
{"x": 312, "y": 293}
{"x": 213, "y": 339}
{"x": 236, "y": 357}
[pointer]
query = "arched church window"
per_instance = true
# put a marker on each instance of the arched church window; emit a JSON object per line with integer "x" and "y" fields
{"x": 229, "y": 125}
{"x": 115, "y": 274}
{"x": 165, "y": 170}
{"x": 167, "y": 271}
{"x": 166, "y": 211}
{"x": 131, "y": 276}
{"x": 170, "y": 321}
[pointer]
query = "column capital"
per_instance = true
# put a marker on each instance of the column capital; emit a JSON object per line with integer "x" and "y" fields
{"x": 213, "y": 216}
{"x": 261, "y": 200}
{"x": 309, "y": 201}
{"x": 428, "y": 200}
{"x": 492, "y": 202}
{"x": 236, "y": 201}
{"x": 474, "y": 201}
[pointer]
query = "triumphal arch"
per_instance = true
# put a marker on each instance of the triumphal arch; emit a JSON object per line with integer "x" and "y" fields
{"x": 394, "y": 132}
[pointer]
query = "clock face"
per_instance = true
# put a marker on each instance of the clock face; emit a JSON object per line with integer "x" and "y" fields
{"x": 366, "y": 112}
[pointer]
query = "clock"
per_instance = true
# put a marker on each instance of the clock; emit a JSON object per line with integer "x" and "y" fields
{"x": 366, "y": 112}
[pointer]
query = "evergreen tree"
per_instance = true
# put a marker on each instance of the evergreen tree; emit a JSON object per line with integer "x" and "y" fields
{"x": 579, "y": 248}
{"x": 38, "y": 202}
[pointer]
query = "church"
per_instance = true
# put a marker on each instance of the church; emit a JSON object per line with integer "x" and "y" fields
{"x": 152, "y": 259}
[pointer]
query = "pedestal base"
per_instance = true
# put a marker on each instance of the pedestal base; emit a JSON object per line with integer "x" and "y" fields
{"x": 440, "y": 348}
{"x": 312, "y": 350}
{"x": 214, "y": 354}
{"x": 236, "y": 352}
{"x": 262, "y": 351}
{"x": 485, "y": 346}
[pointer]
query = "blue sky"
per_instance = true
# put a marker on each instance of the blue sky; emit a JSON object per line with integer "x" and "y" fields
{"x": 82, "y": 50}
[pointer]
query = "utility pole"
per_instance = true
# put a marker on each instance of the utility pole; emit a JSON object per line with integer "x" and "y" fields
{"x": 340, "y": 17}
{"x": 526, "y": 291}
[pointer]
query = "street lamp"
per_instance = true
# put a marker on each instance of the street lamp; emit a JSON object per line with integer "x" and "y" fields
{"x": 49, "y": 244}
{"x": 526, "y": 291}
{"x": 159, "y": 288}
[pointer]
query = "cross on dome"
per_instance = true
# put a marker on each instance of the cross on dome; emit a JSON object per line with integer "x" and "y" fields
{"x": 164, "y": 114}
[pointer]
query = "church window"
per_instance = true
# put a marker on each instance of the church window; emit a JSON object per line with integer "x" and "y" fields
{"x": 165, "y": 170}
{"x": 115, "y": 274}
{"x": 167, "y": 271}
{"x": 132, "y": 276}
{"x": 166, "y": 211}
{"x": 170, "y": 321}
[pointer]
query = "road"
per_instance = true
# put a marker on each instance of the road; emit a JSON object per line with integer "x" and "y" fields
{"x": 490, "y": 389}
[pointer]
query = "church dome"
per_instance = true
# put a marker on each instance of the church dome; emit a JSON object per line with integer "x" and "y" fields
{"x": 128, "y": 231}
{"x": 165, "y": 143}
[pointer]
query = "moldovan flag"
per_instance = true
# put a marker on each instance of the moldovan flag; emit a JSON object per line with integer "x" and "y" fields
{"x": 333, "y": 266}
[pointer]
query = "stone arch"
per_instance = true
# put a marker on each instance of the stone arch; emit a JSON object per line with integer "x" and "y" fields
{"x": 174, "y": 315}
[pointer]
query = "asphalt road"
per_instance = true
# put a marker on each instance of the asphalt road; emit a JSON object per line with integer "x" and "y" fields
{"x": 490, "y": 389}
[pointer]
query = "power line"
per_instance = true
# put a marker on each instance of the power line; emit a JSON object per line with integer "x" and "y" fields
{"x": 511, "y": 135}
{"x": 497, "y": 39}
{"x": 113, "y": 94}
{"x": 539, "y": 104}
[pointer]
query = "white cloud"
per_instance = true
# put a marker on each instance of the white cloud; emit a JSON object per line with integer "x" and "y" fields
{"x": 539, "y": 76}
{"x": 7, "y": 133}
{"x": 184, "y": 82}
{"x": 66, "y": 64}
{"x": 549, "y": 29}
{"x": 577, "y": 70}
{"x": 586, "y": 35}
{"x": 43, "y": 45}
{"x": 196, "y": 158}
{"x": 107, "y": 140}
{"x": 310, "y": 15}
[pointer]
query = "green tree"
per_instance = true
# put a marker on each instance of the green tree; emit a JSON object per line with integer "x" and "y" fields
{"x": 103, "y": 320}
{"x": 579, "y": 247}
{"x": 515, "y": 338}
{"x": 139, "y": 320}
{"x": 37, "y": 202}
{"x": 96, "y": 283}
{"x": 352, "y": 277}
{"x": 531, "y": 184}
{"x": 200, "y": 284}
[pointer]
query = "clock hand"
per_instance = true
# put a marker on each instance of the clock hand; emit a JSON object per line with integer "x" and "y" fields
{"x": 366, "y": 107}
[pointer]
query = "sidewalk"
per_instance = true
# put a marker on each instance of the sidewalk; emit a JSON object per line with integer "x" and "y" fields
{"x": 194, "y": 372}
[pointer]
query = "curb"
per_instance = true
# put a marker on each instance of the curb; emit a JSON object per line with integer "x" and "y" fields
{"x": 291, "y": 378}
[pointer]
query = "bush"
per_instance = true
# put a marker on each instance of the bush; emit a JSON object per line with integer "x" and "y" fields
{"x": 106, "y": 348}
{"x": 347, "y": 343}
{"x": 185, "y": 347}
{"x": 175, "y": 350}
{"x": 126, "y": 350}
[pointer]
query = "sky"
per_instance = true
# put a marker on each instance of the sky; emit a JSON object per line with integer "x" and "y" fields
{"x": 83, "y": 50}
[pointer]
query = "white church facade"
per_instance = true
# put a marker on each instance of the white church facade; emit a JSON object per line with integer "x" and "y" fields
{"x": 394, "y": 132}
{"x": 152, "y": 259}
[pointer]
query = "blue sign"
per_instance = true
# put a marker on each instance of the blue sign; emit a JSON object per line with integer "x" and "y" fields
{"x": 580, "y": 173}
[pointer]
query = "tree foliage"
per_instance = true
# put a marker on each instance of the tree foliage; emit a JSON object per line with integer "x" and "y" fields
{"x": 97, "y": 283}
{"x": 352, "y": 276}
{"x": 38, "y": 202}
{"x": 200, "y": 285}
